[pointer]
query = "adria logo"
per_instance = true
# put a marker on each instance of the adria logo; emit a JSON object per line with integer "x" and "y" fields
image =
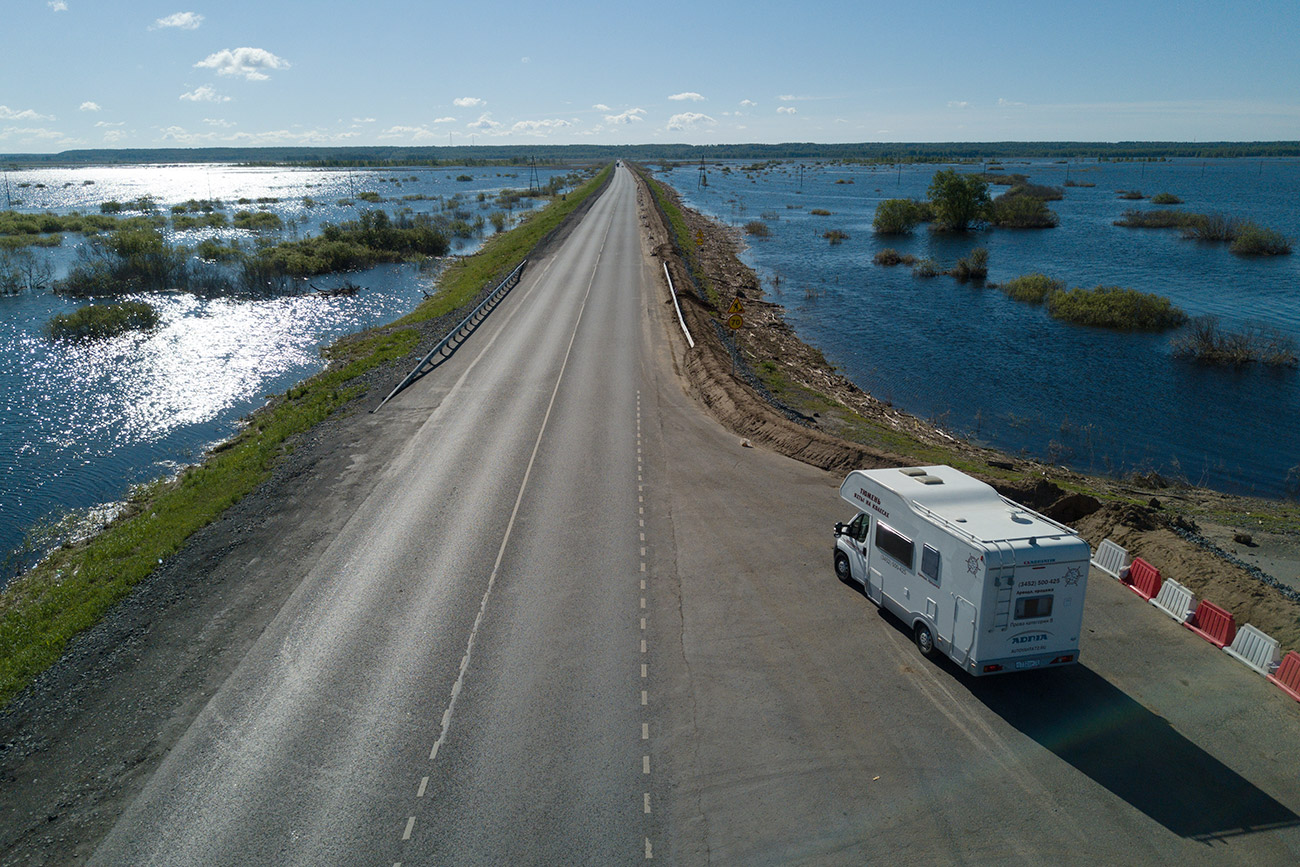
{"x": 1028, "y": 639}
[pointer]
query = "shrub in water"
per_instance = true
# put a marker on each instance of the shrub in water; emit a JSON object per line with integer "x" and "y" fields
{"x": 757, "y": 228}
{"x": 889, "y": 256}
{"x": 926, "y": 268}
{"x": 1115, "y": 307}
{"x": 1032, "y": 288}
{"x": 897, "y": 216}
{"x": 1252, "y": 240}
{"x": 835, "y": 236}
{"x": 1165, "y": 199}
{"x": 101, "y": 320}
{"x": 974, "y": 266}
{"x": 1206, "y": 342}
{"x": 1021, "y": 212}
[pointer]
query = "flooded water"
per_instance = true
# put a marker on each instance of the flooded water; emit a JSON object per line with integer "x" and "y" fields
{"x": 82, "y": 422}
{"x": 1003, "y": 372}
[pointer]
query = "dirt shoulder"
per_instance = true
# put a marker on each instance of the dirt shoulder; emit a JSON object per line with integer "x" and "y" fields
{"x": 1241, "y": 553}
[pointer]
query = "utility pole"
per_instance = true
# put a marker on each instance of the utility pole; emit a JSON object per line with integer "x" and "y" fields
{"x": 534, "y": 182}
{"x": 704, "y": 176}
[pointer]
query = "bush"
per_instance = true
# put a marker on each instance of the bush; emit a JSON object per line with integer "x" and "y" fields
{"x": 1041, "y": 192}
{"x": 1115, "y": 307}
{"x": 1205, "y": 342}
{"x": 820, "y": 212}
{"x": 1032, "y": 288}
{"x": 1021, "y": 212}
{"x": 130, "y": 259}
{"x": 258, "y": 221}
{"x": 1130, "y": 194}
{"x": 96, "y": 321}
{"x": 889, "y": 256}
{"x": 757, "y": 228}
{"x": 897, "y": 216}
{"x": 1158, "y": 220}
{"x": 974, "y": 266}
{"x": 1211, "y": 227}
{"x": 835, "y": 236}
{"x": 1252, "y": 240}
{"x": 926, "y": 268}
{"x": 1165, "y": 199}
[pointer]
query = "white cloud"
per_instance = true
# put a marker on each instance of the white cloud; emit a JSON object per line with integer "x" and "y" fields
{"x": 178, "y": 21}
{"x": 89, "y": 106}
{"x": 688, "y": 96}
{"x": 409, "y": 133}
{"x": 105, "y": 123}
{"x": 32, "y": 134}
{"x": 748, "y": 103}
{"x": 1007, "y": 103}
{"x": 689, "y": 120}
{"x": 218, "y": 122}
{"x": 6, "y": 113}
{"x": 786, "y": 109}
{"x": 467, "y": 101}
{"x": 540, "y": 127}
{"x": 363, "y": 120}
{"x": 632, "y": 115}
{"x": 958, "y": 103}
{"x": 485, "y": 123}
{"x": 525, "y": 60}
{"x": 204, "y": 93}
{"x": 600, "y": 106}
{"x": 57, "y": 5}
{"x": 788, "y": 97}
{"x": 113, "y": 135}
{"x": 251, "y": 63}
{"x": 444, "y": 120}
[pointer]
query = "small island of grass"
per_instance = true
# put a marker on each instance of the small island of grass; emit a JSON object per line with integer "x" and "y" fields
{"x": 98, "y": 321}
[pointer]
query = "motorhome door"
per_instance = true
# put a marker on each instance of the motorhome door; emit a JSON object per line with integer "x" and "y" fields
{"x": 963, "y": 630}
{"x": 859, "y": 531}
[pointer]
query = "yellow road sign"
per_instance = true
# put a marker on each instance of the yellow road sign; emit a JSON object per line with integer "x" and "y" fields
{"x": 735, "y": 321}
{"x": 735, "y": 306}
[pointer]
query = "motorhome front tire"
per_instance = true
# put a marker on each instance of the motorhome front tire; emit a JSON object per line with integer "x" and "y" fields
{"x": 843, "y": 571}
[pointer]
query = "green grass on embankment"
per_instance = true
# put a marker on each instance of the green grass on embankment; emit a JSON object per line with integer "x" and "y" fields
{"x": 73, "y": 588}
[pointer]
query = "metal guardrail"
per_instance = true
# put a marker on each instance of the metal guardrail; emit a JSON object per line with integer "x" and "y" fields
{"x": 457, "y": 335}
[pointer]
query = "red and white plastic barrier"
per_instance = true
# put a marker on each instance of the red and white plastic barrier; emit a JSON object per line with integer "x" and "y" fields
{"x": 1216, "y": 625}
{"x": 1143, "y": 579}
{"x": 1110, "y": 558}
{"x": 1287, "y": 675}
{"x": 1254, "y": 648}
{"x": 1175, "y": 600}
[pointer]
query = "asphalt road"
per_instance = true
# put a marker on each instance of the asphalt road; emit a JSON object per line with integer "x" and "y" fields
{"x": 576, "y": 622}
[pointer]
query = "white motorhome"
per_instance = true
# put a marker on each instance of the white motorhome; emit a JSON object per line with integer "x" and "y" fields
{"x": 993, "y": 585}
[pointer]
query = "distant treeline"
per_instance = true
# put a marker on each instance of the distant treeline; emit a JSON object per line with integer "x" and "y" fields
{"x": 878, "y": 152}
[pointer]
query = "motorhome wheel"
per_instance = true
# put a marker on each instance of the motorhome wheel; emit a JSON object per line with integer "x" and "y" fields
{"x": 924, "y": 639}
{"x": 842, "y": 569}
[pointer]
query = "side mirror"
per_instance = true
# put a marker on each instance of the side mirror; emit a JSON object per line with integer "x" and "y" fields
{"x": 839, "y": 528}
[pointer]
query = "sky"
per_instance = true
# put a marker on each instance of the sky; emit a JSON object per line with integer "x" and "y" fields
{"x": 143, "y": 74}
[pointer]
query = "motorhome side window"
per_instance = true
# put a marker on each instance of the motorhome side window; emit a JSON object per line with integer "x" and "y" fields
{"x": 858, "y": 528}
{"x": 930, "y": 564}
{"x": 1029, "y": 607}
{"x": 894, "y": 544}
